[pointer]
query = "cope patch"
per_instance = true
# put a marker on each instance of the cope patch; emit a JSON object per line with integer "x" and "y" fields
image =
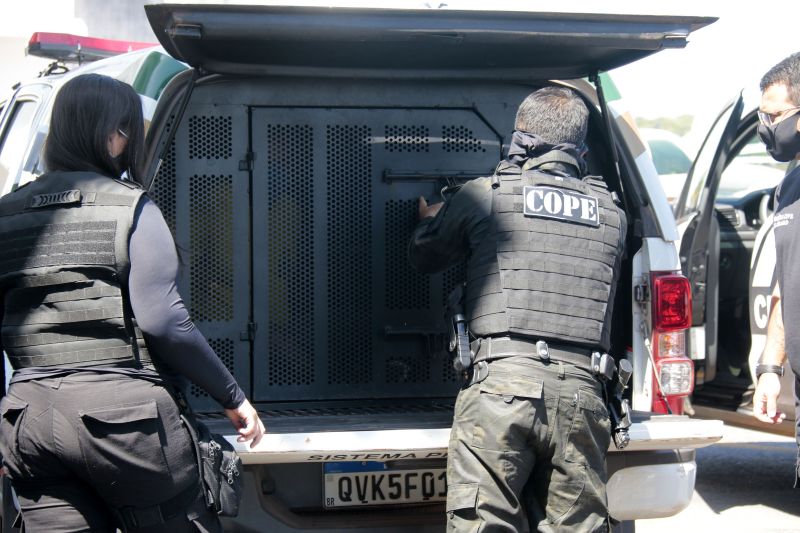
{"x": 561, "y": 204}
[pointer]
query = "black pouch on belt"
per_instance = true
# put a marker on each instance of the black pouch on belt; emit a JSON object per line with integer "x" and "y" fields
{"x": 220, "y": 469}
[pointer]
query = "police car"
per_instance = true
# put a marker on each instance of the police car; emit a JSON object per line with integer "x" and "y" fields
{"x": 287, "y": 147}
{"x": 727, "y": 251}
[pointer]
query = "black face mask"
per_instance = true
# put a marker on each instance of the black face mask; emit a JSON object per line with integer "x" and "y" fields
{"x": 782, "y": 139}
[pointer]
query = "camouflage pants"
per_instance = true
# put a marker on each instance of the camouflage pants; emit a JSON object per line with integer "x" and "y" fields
{"x": 527, "y": 451}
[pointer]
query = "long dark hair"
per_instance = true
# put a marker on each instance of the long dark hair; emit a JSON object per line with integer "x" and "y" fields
{"x": 87, "y": 110}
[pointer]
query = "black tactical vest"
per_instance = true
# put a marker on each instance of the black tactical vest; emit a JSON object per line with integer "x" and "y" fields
{"x": 64, "y": 271}
{"x": 550, "y": 263}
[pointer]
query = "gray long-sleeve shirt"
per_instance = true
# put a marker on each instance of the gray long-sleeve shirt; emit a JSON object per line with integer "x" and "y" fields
{"x": 161, "y": 314}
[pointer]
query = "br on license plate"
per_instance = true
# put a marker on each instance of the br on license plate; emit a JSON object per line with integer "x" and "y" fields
{"x": 353, "y": 484}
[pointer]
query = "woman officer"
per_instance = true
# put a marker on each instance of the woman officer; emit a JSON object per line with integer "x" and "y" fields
{"x": 91, "y": 435}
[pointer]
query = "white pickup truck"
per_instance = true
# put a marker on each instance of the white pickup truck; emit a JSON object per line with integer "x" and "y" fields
{"x": 287, "y": 147}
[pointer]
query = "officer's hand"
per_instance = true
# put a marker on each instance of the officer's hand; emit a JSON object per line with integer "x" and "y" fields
{"x": 765, "y": 400}
{"x": 426, "y": 210}
{"x": 247, "y": 423}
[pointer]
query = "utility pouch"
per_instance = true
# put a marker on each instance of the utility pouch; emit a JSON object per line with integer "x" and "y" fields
{"x": 458, "y": 343}
{"x": 220, "y": 469}
{"x": 618, "y": 407}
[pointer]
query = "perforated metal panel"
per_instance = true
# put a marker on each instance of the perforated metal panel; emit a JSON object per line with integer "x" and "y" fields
{"x": 349, "y": 239}
{"x": 211, "y": 230}
{"x": 448, "y": 373}
{"x": 460, "y": 139}
{"x": 412, "y": 368}
{"x": 210, "y": 137}
{"x": 288, "y": 237}
{"x": 452, "y": 277}
{"x": 201, "y": 191}
{"x": 340, "y": 312}
{"x": 405, "y": 287}
{"x": 406, "y": 139}
{"x": 163, "y": 191}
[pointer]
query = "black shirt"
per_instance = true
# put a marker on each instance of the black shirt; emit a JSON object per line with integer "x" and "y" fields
{"x": 460, "y": 225}
{"x": 787, "y": 244}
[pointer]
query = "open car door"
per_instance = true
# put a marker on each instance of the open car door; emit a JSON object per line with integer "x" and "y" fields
{"x": 699, "y": 248}
{"x": 763, "y": 278}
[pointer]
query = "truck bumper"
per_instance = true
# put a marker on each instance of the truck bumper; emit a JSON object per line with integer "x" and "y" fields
{"x": 651, "y": 478}
{"x": 648, "y": 433}
{"x": 650, "y": 484}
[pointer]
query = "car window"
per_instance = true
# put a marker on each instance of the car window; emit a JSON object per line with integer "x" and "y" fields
{"x": 702, "y": 165}
{"x": 750, "y": 170}
{"x": 15, "y": 139}
{"x": 669, "y": 158}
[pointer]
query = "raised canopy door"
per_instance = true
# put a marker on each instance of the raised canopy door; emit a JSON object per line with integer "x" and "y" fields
{"x": 230, "y": 39}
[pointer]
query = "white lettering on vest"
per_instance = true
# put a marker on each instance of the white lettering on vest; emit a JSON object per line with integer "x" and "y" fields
{"x": 531, "y": 199}
{"x": 562, "y": 204}
{"x": 589, "y": 209}
{"x": 571, "y": 203}
{"x": 760, "y": 312}
{"x": 552, "y": 202}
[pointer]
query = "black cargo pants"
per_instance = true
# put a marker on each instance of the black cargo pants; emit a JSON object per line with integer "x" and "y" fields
{"x": 527, "y": 451}
{"x": 96, "y": 452}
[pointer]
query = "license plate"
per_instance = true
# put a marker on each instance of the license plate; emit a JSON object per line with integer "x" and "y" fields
{"x": 373, "y": 483}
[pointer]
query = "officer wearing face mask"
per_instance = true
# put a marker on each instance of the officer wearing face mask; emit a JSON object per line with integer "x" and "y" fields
{"x": 94, "y": 432}
{"x": 543, "y": 242}
{"x": 779, "y": 129}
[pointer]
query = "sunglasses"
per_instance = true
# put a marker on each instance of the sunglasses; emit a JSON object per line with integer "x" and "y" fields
{"x": 768, "y": 119}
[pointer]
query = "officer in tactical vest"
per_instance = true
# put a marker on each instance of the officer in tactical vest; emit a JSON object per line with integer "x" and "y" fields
{"x": 543, "y": 244}
{"x": 91, "y": 433}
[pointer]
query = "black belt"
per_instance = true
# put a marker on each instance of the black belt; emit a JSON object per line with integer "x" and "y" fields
{"x": 139, "y": 517}
{"x": 491, "y": 348}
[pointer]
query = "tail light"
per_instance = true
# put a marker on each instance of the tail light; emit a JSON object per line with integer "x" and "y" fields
{"x": 672, "y": 316}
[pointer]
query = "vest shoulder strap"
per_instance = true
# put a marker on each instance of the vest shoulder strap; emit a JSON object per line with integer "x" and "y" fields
{"x": 553, "y": 156}
{"x": 596, "y": 181}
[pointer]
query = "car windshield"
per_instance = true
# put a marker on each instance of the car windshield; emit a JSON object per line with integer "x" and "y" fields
{"x": 669, "y": 158}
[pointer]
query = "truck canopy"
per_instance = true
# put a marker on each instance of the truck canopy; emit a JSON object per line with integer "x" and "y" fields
{"x": 227, "y": 39}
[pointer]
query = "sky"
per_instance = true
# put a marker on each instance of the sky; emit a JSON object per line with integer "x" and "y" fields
{"x": 721, "y": 59}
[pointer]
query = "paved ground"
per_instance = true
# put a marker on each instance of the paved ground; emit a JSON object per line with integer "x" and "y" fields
{"x": 744, "y": 484}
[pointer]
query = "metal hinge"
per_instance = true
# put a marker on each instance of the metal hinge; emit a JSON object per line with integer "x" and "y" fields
{"x": 641, "y": 293}
{"x": 676, "y": 40}
{"x": 186, "y": 31}
{"x": 250, "y": 333}
{"x": 247, "y": 162}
